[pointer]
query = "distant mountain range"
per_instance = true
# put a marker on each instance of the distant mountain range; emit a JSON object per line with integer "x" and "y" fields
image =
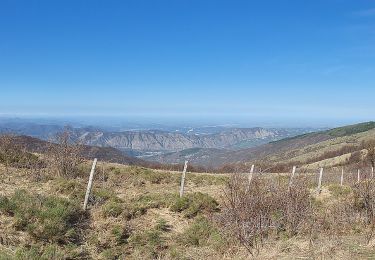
{"x": 212, "y": 148}
{"x": 327, "y": 148}
{"x": 155, "y": 141}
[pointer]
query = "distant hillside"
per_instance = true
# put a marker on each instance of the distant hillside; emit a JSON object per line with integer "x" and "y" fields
{"x": 149, "y": 141}
{"x": 175, "y": 141}
{"x": 102, "y": 153}
{"x": 309, "y": 150}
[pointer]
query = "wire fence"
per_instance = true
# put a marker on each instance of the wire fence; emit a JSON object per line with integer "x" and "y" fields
{"x": 330, "y": 176}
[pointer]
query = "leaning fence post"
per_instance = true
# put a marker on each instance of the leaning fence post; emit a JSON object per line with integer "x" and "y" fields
{"x": 251, "y": 173}
{"x": 358, "y": 175}
{"x": 183, "y": 179}
{"x": 89, "y": 185}
{"x": 320, "y": 181}
{"x": 292, "y": 176}
{"x": 342, "y": 176}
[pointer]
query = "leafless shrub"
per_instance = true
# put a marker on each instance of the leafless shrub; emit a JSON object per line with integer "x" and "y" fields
{"x": 370, "y": 147}
{"x": 247, "y": 211}
{"x": 252, "y": 211}
{"x": 294, "y": 205}
{"x": 364, "y": 199}
{"x": 64, "y": 157}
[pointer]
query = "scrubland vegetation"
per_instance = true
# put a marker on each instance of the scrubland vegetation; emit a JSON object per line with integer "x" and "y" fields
{"x": 136, "y": 213}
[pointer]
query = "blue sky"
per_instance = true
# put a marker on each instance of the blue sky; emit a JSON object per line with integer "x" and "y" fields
{"x": 284, "y": 60}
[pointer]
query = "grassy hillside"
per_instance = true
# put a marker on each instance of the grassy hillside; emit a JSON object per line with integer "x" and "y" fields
{"x": 135, "y": 213}
{"x": 351, "y": 130}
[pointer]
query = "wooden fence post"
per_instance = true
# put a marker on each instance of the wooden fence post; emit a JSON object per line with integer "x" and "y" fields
{"x": 183, "y": 179}
{"x": 292, "y": 176}
{"x": 251, "y": 173}
{"x": 342, "y": 176}
{"x": 89, "y": 185}
{"x": 358, "y": 175}
{"x": 320, "y": 181}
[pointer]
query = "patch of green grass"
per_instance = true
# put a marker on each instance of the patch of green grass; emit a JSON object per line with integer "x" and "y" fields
{"x": 99, "y": 196}
{"x": 177, "y": 252}
{"x": 162, "y": 225}
{"x": 149, "y": 243}
{"x": 112, "y": 209}
{"x": 70, "y": 188}
{"x": 194, "y": 203}
{"x": 339, "y": 191}
{"x": 121, "y": 234}
{"x": 202, "y": 233}
{"x": 50, "y": 219}
{"x": 47, "y": 252}
{"x": 139, "y": 176}
{"x": 139, "y": 206}
{"x": 112, "y": 254}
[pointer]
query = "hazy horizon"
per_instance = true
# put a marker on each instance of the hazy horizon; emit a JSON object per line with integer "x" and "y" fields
{"x": 156, "y": 122}
{"x": 269, "y": 62}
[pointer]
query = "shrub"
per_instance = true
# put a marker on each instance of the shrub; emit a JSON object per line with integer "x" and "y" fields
{"x": 44, "y": 218}
{"x": 201, "y": 233}
{"x": 253, "y": 210}
{"x": 195, "y": 203}
{"x": 155, "y": 177}
{"x": 139, "y": 206}
{"x": 64, "y": 158}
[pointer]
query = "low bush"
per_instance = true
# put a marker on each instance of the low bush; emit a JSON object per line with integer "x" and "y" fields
{"x": 202, "y": 233}
{"x": 194, "y": 203}
{"x": 139, "y": 205}
{"x": 50, "y": 219}
{"x": 252, "y": 211}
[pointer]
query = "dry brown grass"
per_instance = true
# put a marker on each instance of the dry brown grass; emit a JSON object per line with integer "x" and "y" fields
{"x": 108, "y": 237}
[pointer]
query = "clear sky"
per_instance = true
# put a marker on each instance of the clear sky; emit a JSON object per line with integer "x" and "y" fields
{"x": 273, "y": 59}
